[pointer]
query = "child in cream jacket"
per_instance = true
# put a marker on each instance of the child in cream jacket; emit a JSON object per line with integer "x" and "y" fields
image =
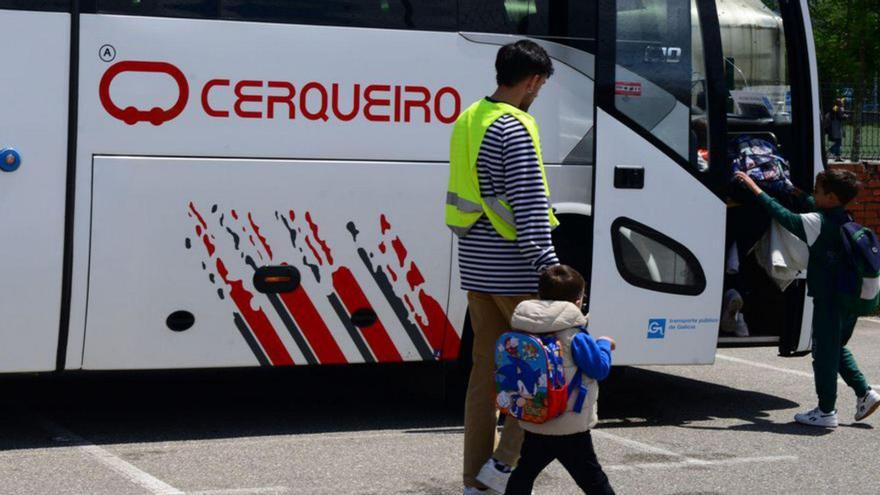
{"x": 566, "y": 437}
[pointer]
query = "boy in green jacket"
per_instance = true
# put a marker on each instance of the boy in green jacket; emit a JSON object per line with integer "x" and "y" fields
{"x": 832, "y": 324}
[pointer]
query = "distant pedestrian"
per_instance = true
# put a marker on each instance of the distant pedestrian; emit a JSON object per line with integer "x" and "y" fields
{"x": 499, "y": 207}
{"x": 834, "y": 127}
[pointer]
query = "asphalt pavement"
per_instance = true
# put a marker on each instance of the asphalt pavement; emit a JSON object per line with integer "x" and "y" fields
{"x": 721, "y": 429}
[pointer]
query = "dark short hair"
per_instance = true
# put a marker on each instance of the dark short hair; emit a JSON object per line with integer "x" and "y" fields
{"x": 517, "y": 61}
{"x": 561, "y": 283}
{"x": 843, "y": 183}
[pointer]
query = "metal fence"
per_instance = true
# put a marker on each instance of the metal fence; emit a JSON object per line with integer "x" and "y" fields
{"x": 869, "y": 122}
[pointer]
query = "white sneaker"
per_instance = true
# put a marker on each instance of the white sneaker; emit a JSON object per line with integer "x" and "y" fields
{"x": 867, "y": 405}
{"x": 742, "y": 330}
{"x": 493, "y": 477}
{"x": 815, "y": 417}
{"x": 733, "y": 302}
{"x": 472, "y": 490}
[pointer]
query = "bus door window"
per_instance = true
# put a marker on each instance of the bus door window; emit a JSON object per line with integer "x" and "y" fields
{"x": 660, "y": 78}
{"x": 755, "y": 61}
{"x": 651, "y": 260}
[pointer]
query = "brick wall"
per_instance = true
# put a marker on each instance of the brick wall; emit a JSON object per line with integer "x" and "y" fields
{"x": 866, "y": 207}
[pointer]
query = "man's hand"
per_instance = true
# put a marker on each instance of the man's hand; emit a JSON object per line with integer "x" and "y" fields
{"x": 610, "y": 340}
{"x": 743, "y": 178}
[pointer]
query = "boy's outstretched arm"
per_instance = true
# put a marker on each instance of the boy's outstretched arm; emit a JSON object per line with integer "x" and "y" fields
{"x": 806, "y": 227}
{"x": 592, "y": 356}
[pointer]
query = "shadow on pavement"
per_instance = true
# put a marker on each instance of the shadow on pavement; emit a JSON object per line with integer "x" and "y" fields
{"x": 128, "y": 407}
{"x": 645, "y": 397}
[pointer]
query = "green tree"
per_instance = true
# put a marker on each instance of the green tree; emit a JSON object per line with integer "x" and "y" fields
{"x": 847, "y": 36}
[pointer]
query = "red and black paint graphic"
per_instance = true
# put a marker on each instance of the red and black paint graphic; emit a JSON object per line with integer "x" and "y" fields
{"x": 432, "y": 333}
{"x": 371, "y": 338}
{"x": 420, "y": 315}
{"x": 255, "y": 327}
{"x": 295, "y": 309}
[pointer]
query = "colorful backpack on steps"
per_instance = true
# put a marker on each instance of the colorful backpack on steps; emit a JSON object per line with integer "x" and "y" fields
{"x": 530, "y": 378}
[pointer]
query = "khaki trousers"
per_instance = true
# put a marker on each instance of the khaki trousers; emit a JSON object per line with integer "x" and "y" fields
{"x": 490, "y": 317}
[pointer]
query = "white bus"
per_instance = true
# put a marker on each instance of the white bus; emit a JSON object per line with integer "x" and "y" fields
{"x": 230, "y": 183}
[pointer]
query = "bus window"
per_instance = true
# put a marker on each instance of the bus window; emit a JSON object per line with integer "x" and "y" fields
{"x": 160, "y": 8}
{"x": 395, "y": 14}
{"x": 431, "y": 15}
{"x": 567, "y": 30}
{"x": 755, "y": 64}
{"x": 660, "y": 75}
{"x": 570, "y": 22}
{"x": 38, "y": 5}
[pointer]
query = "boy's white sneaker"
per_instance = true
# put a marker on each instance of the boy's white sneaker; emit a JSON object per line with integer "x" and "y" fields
{"x": 494, "y": 475}
{"x": 867, "y": 405}
{"x": 815, "y": 417}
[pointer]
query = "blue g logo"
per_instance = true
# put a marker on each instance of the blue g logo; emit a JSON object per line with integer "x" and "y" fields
{"x": 657, "y": 329}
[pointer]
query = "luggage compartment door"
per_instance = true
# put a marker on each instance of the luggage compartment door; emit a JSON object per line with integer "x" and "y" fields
{"x": 216, "y": 262}
{"x": 35, "y": 48}
{"x": 659, "y": 219}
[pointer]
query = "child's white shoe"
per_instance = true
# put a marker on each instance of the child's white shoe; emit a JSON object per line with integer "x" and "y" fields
{"x": 472, "y": 490}
{"x": 815, "y": 417}
{"x": 733, "y": 302}
{"x": 867, "y": 405}
{"x": 494, "y": 475}
{"x": 742, "y": 330}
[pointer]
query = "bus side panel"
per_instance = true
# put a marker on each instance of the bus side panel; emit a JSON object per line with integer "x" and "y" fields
{"x": 173, "y": 235}
{"x": 34, "y": 102}
{"x": 192, "y": 88}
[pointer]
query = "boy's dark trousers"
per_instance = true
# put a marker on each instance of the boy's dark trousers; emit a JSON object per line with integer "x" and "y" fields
{"x": 576, "y": 454}
{"x": 832, "y": 329}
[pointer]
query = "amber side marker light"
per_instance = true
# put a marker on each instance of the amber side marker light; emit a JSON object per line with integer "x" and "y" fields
{"x": 276, "y": 279}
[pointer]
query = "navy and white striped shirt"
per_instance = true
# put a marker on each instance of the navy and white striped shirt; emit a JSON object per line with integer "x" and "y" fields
{"x": 507, "y": 166}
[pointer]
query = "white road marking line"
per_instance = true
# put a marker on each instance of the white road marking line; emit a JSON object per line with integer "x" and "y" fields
{"x": 756, "y": 364}
{"x": 644, "y": 447}
{"x": 242, "y": 491}
{"x": 684, "y": 461}
{"x": 129, "y": 471}
{"x": 765, "y": 366}
{"x": 690, "y": 463}
{"x": 310, "y": 437}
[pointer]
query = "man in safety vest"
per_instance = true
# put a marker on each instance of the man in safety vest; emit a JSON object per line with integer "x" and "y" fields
{"x": 498, "y": 206}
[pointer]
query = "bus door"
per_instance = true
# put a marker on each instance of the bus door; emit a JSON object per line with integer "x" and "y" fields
{"x": 35, "y": 48}
{"x": 770, "y": 76}
{"x": 659, "y": 217}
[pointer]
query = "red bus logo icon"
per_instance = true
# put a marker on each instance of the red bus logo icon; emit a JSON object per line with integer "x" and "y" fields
{"x": 132, "y": 115}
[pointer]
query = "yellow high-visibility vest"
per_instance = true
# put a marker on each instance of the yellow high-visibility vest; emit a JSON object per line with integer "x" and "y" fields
{"x": 464, "y": 204}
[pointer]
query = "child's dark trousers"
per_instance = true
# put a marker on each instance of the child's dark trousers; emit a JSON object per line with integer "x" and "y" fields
{"x": 832, "y": 329}
{"x": 576, "y": 454}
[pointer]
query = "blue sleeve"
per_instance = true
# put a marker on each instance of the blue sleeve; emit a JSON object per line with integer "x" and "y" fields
{"x": 591, "y": 356}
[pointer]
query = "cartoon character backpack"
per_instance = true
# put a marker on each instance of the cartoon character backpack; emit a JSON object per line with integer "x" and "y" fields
{"x": 859, "y": 280}
{"x": 530, "y": 378}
